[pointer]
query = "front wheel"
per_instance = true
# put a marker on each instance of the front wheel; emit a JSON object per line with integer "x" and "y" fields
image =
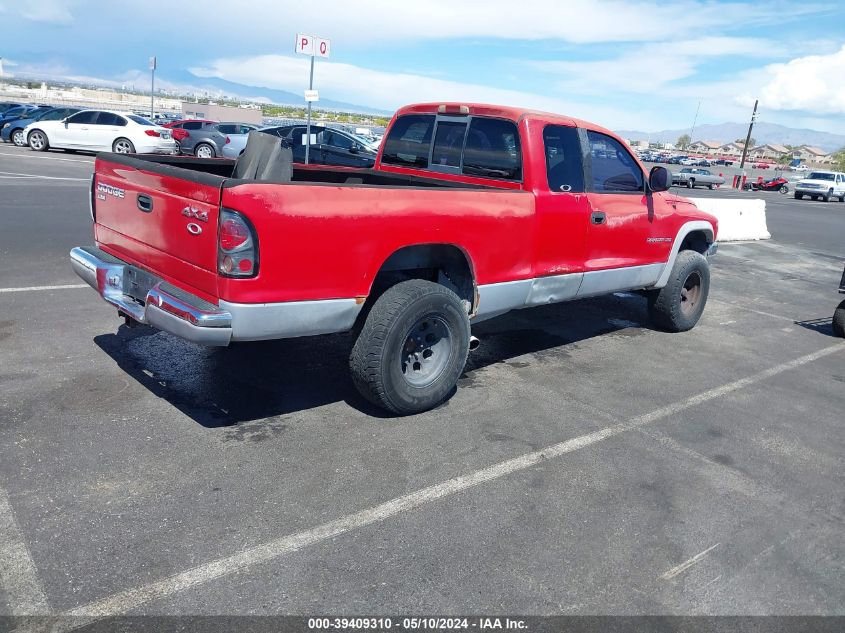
{"x": 826, "y": 197}
{"x": 839, "y": 320}
{"x": 123, "y": 146}
{"x": 37, "y": 140}
{"x": 690, "y": 183}
{"x": 799, "y": 196}
{"x": 18, "y": 138}
{"x": 678, "y": 306}
{"x": 784, "y": 189}
{"x": 412, "y": 348}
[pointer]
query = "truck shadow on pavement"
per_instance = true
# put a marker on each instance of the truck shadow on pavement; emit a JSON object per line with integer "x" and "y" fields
{"x": 222, "y": 387}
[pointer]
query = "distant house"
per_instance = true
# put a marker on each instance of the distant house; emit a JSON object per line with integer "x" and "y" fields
{"x": 812, "y": 154}
{"x": 769, "y": 151}
{"x": 731, "y": 149}
{"x": 704, "y": 147}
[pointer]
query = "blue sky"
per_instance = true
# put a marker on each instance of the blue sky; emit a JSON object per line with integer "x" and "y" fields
{"x": 631, "y": 64}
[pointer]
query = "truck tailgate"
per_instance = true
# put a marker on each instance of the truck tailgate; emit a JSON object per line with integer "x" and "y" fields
{"x": 160, "y": 218}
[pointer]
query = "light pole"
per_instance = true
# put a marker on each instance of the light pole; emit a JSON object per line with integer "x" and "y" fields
{"x": 152, "y": 86}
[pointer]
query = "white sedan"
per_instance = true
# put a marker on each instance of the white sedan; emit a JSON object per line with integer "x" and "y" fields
{"x": 101, "y": 130}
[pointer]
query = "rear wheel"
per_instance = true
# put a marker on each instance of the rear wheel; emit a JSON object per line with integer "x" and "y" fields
{"x": 412, "y": 348}
{"x": 18, "y": 138}
{"x": 37, "y": 140}
{"x": 123, "y": 146}
{"x": 710, "y": 186}
{"x": 799, "y": 196}
{"x": 678, "y": 306}
{"x": 690, "y": 183}
{"x": 204, "y": 150}
{"x": 784, "y": 189}
{"x": 839, "y": 320}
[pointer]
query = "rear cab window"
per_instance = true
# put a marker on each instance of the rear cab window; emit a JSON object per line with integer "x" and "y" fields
{"x": 469, "y": 146}
{"x": 564, "y": 160}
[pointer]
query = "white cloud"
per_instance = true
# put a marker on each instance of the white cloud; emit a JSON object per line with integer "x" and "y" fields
{"x": 810, "y": 84}
{"x": 355, "y": 84}
{"x": 650, "y": 66}
{"x": 47, "y": 11}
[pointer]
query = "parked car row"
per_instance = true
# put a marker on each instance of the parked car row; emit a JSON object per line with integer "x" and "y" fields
{"x": 73, "y": 129}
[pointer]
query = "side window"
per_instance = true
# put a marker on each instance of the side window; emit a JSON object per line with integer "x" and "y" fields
{"x": 55, "y": 115}
{"x": 409, "y": 141}
{"x": 492, "y": 149}
{"x": 337, "y": 140}
{"x": 564, "y": 163}
{"x": 84, "y": 117}
{"x": 448, "y": 143}
{"x": 227, "y": 128}
{"x": 109, "y": 118}
{"x": 191, "y": 125}
{"x": 613, "y": 168}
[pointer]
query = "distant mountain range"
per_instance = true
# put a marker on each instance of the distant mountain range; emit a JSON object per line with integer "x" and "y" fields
{"x": 763, "y": 133}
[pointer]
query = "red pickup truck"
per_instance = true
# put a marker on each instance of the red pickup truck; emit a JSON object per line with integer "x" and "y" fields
{"x": 470, "y": 211}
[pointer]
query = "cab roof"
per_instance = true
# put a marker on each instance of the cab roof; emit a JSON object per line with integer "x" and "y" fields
{"x": 503, "y": 112}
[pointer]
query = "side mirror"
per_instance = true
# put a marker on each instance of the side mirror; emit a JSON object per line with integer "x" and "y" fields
{"x": 354, "y": 149}
{"x": 65, "y": 121}
{"x": 659, "y": 179}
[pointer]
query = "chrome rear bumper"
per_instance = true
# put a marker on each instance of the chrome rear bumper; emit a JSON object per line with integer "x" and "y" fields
{"x": 163, "y": 306}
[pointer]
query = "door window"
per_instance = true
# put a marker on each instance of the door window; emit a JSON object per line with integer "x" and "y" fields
{"x": 191, "y": 125}
{"x": 492, "y": 149}
{"x": 564, "y": 163}
{"x": 614, "y": 170}
{"x": 409, "y": 141}
{"x": 334, "y": 139}
{"x": 87, "y": 118}
{"x": 109, "y": 118}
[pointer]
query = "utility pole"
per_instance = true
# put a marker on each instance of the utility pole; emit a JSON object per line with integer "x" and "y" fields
{"x": 694, "y": 121}
{"x": 748, "y": 136}
{"x": 152, "y": 86}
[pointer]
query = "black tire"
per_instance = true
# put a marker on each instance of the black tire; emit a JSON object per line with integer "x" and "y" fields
{"x": 826, "y": 197}
{"x": 203, "y": 148}
{"x": 842, "y": 198}
{"x": 812, "y": 197}
{"x": 678, "y": 306}
{"x": 123, "y": 146}
{"x": 38, "y": 141}
{"x": 839, "y": 320}
{"x": 784, "y": 189}
{"x": 691, "y": 183}
{"x": 799, "y": 196}
{"x": 17, "y": 138}
{"x": 710, "y": 186}
{"x": 381, "y": 360}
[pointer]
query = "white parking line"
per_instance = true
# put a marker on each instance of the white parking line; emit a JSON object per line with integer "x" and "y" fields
{"x": 687, "y": 563}
{"x": 18, "y": 577}
{"x": 37, "y": 288}
{"x": 42, "y": 157}
{"x": 12, "y": 175}
{"x": 130, "y": 599}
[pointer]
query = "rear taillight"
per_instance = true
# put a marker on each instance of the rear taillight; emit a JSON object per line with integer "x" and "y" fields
{"x": 152, "y": 133}
{"x": 228, "y": 140}
{"x": 237, "y": 246}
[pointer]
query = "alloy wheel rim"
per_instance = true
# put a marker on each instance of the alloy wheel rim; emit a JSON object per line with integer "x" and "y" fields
{"x": 37, "y": 141}
{"x": 121, "y": 147}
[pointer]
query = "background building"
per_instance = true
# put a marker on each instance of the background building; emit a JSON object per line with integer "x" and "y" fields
{"x": 221, "y": 113}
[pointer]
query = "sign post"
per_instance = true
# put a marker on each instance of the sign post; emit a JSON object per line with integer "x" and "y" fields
{"x": 315, "y": 47}
{"x": 152, "y": 87}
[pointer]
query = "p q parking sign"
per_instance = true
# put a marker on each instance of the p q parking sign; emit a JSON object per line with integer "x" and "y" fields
{"x": 310, "y": 45}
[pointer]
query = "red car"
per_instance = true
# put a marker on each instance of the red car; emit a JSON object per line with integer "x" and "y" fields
{"x": 471, "y": 211}
{"x": 761, "y": 165}
{"x": 181, "y": 129}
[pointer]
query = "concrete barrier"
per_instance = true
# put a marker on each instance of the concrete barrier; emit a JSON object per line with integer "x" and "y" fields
{"x": 738, "y": 219}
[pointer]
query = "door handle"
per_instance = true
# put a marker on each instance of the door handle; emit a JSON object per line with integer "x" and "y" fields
{"x": 598, "y": 217}
{"x": 145, "y": 203}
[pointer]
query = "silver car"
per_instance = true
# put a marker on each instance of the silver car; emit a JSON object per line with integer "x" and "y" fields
{"x": 209, "y": 140}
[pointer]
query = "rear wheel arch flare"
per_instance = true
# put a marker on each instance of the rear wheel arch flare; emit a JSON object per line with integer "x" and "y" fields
{"x": 446, "y": 264}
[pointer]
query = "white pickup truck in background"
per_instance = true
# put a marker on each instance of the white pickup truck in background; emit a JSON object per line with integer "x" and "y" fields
{"x": 821, "y": 184}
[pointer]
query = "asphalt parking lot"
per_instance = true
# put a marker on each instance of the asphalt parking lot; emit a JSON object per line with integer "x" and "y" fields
{"x": 587, "y": 464}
